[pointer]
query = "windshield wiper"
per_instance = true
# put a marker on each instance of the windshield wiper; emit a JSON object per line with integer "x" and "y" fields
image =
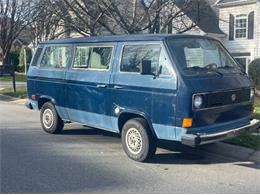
{"x": 215, "y": 71}
{"x": 233, "y": 67}
{"x": 226, "y": 67}
{"x": 198, "y": 68}
{"x": 213, "y": 67}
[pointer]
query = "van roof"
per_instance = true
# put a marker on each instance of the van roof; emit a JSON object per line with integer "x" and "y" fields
{"x": 119, "y": 38}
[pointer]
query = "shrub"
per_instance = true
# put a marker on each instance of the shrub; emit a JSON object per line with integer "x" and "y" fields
{"x": 28, "y": 52}
{"x": 254, "y": 71}
{"x": 13, "y": 58}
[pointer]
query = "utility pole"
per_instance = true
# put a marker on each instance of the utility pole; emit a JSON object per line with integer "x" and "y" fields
{"x": 25, "y": 61}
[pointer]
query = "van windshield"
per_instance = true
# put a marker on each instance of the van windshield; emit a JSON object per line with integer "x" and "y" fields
{"x": 196, "y": 56}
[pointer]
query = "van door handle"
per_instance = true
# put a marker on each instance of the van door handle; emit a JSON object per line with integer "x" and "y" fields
{"x": 101, "y": 86}
{"x": 118, "y": 87}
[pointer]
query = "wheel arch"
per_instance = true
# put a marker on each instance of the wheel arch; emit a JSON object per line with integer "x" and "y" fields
{"x": 43, "y": 99}
{"x": 126, "y": 115}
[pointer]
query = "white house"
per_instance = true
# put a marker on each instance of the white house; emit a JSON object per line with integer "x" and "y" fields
{"x": 240, "y": 22}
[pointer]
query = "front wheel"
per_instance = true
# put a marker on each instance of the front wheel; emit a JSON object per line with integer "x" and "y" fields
{"x": 138, "y": 142}
{"x": 50, "y": 120}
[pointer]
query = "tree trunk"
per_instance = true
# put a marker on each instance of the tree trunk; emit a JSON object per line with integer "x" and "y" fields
{"x": 5, "y": 53}
{"x": 257, "y": 93}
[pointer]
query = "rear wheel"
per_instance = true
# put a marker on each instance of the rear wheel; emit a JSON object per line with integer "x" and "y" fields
{"x": 50, "y": 120}
{"x": 137, "y": 140}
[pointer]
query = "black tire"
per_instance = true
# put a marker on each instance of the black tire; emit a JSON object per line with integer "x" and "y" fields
{"x": 50, "y": 120}
{"x": 136, "y": 150}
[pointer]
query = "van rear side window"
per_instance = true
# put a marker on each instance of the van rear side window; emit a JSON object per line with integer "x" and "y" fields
{"x": 36, "y": 56}
{"x": 56, "y": 57}
{"x": 92, "y": 57}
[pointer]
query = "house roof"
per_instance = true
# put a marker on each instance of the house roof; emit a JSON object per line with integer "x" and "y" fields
{"x": 223, "y": 3}
{"x": 228, "y": 1}
{"x": 206, "y": 17}
{"x": 24, "y": 40}
{"x": 120, "y": 38}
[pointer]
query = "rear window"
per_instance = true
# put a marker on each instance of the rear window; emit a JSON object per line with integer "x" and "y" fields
{"x": 36, "y": 56}
{"x": 56, "y": 57}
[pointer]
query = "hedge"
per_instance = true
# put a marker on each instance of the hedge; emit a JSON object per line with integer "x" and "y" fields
{"x": 254, "y": 71}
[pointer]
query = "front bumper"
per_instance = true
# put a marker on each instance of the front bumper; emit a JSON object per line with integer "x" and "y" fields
{"x": 200, "y": 139}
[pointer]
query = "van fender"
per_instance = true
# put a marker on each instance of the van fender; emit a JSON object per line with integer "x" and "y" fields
{"x": 135, "y": 113}
{"x": 43, "y": 99}
{"x": 46, "y": 98}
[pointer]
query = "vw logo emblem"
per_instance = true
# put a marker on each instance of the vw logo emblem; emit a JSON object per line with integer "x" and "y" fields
{"x": 233, "y": 97}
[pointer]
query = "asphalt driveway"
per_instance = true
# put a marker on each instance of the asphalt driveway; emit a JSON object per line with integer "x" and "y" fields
{"x": 86, "y": 160}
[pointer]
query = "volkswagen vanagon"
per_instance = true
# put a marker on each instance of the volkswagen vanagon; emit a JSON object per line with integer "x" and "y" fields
{"x": 182, "y": 88}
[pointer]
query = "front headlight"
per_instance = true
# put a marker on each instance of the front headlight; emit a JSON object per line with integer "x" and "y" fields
{"x": 252, "y": 93}
{"x": 197, "y": 101}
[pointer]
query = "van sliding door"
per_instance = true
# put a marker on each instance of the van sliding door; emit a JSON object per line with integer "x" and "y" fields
{"x": 88, "y": 90}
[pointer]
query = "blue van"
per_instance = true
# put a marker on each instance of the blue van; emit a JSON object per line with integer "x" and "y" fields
{"x": 183, "y": 88}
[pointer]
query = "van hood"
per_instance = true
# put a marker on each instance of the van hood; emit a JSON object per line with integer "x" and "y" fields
{"x": 220, "y": 106}
{"x": 213, "y": 83}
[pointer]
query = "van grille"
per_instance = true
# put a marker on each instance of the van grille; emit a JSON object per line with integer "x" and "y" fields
{"x": 227, "y": 97}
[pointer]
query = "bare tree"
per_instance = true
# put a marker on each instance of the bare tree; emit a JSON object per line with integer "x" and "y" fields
{"x": 47, "y": 25}
{"x": 162, "y": 14}
{"x": 15, "y": 16}
{"x": 92, "y": 17}
{"x": 82, "y": 16}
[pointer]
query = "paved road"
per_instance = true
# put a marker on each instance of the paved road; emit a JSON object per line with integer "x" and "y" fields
{"x": 83, "y": 160}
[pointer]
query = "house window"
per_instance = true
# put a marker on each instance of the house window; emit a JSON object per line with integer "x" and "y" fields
{"x": 241, "y": 26}
{"x": 244, "y": 62}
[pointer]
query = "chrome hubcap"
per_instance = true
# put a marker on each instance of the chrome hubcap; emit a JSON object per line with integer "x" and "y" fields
{"x": 47, "y": 118}
{"x": 133, "y": 141}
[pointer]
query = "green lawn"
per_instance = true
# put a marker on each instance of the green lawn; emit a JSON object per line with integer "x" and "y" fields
{"x": 21, "y": 92}
{"x": 249, "y": 140}
{"x": 257, "y": 109}
{"x": 19, "y": 78}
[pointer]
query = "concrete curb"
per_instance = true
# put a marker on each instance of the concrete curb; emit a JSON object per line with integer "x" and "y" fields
{"x": 7, "y": 98}
{"x": 233, "y": 151}
{"x": 12, "y": 99}
{"x": 20, "y": 101}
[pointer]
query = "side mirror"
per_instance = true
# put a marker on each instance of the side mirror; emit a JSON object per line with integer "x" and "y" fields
{"x": 146, "y": 67}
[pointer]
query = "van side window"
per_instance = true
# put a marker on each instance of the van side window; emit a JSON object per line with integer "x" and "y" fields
{"x": 36, "y": 56}
{"x": 133, "y": 55}
{"x": 56, "y": 57}
{"x": 92, "y": 57}
{"x": 100, "y": 57}
{"x": 164, "y": 63}
{"x": 81, "y": 57}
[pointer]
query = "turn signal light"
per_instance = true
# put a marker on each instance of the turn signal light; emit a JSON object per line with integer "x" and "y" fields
{"x": 187, "y": 122}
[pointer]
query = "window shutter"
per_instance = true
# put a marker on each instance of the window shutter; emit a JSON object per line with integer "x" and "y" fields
{"x": 231, "y": 27}
{"x": 251, "y": 25}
